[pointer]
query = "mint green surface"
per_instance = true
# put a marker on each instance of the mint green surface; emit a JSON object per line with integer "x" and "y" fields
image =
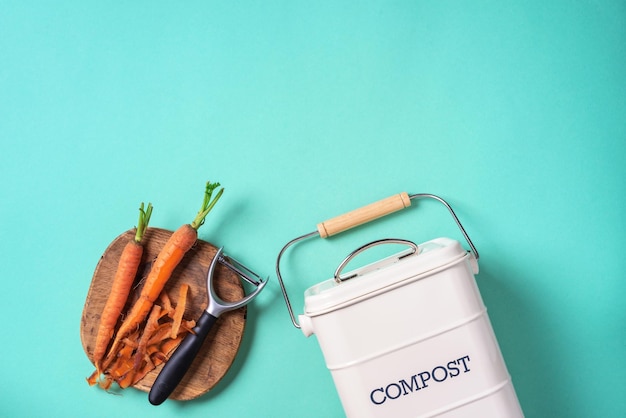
{"x": 514, "y": 113}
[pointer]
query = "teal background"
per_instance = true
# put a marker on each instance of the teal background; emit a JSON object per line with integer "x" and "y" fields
{"x": 512, "y": 111}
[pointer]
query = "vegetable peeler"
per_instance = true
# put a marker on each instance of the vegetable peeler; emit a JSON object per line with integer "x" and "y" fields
{"x": 180, "y": 361}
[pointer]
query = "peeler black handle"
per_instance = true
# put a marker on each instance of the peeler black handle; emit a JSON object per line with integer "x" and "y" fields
{"x": 181, "y": 359}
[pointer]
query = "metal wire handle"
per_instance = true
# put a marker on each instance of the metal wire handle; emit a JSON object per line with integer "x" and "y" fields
{"x": 359, "y": 217}
{"x": 350, "y": 257}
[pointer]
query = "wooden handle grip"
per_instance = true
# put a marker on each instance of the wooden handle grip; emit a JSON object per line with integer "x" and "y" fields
{"x": 363, "y": 215}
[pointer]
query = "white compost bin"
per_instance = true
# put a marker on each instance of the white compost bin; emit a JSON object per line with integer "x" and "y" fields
{"x": 409, "y": 335}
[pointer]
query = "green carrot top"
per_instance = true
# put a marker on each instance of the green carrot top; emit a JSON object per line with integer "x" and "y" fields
{"x": 144, "y": 219}
{"x": 207, "y": 203}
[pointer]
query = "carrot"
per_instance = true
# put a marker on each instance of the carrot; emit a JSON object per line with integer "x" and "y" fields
{"x": 122, "y": 282}
{"x": 167, "y": 260}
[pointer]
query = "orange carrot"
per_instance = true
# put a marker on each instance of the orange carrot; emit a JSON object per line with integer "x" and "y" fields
{"x": 167, "y": 260}
{"x": 124, "y": 277}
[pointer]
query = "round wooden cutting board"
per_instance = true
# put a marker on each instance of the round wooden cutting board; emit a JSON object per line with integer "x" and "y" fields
{"x": 220, "y": 348}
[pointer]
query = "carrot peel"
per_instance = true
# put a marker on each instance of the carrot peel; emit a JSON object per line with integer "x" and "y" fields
{"x": 180, "y": 310}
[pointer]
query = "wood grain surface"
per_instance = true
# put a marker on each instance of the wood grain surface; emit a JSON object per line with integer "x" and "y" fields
{"x": 220, "y": 348}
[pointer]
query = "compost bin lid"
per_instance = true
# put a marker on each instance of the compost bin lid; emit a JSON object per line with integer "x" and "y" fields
{"x": 383, "y": 275}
